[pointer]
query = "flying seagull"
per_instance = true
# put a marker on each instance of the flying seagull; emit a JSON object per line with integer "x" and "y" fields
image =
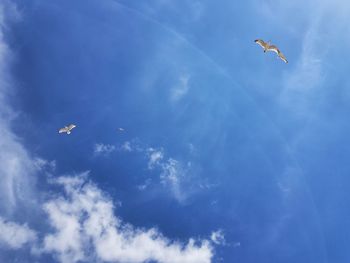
{"x": 267, "y": 47}
{"x": 67, "y": 129}
{"x": 121, "y": 129}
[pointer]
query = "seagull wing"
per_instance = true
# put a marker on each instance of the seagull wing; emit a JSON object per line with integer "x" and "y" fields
{"x": 278, "y": 52}
{"x": 63, "y": 130}
{"x": 282, "y": 57}
{"x": 71, "y": 127}
{"x": 260, "y": 42}
{"x": 274, "y": 49}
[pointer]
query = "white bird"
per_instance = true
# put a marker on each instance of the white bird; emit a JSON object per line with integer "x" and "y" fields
{"x": 267, "y": 47}
{"x": 67, "y": 129}
{"x": 121, "y": 129}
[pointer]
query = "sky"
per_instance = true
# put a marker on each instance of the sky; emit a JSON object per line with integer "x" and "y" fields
{"x": 226, "y": 154}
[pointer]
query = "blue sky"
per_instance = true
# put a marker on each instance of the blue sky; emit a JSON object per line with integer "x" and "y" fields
{"x": 227, "y": 154}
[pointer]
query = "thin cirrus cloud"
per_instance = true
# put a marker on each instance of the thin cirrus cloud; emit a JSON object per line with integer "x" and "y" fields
{"x": 155, "y": 156}
{"x": 173, "y": 174}
{"x": 176, "y": 175}
{"x": 218, "y": 237}
{"x": 16, "y": 165}
{"x": 126, "y": 147}
{"x": 308, "y": 85}
{"x": 305, "y": 80}
{"x": 103, "y": 149}
{"x": 181, "y": 88}
{"x": 312, "y": 37}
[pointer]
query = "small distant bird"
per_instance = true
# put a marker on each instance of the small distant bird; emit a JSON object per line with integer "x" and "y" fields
{"x": 121, "y": 129}
{"x": 267, "y": 47}
{"x": 67, "y": 129}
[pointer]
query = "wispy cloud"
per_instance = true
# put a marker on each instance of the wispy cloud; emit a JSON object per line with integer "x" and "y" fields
{"x": 193, "y": 10}
{"x": 172, "y": 175}
{"x": 103, "y": 149}
{"x": 131, "y": 146}
{"x": 42, "y": 164}
{"x": 181, "y": 88}
{"x": 16, "y": 165}
{"x": 85, "y": 227}
{"x": 155, "y": 156}
{"x": 305, "y": 80}
{"x": 218, "y": 237}
{"x": 311, "y": 41}
{"x": 127, "y": 147}
{"x": 145, "y": 185}
{"x": 175, "y": 175}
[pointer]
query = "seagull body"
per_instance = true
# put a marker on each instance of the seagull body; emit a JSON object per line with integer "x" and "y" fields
{"x": 267, "y": 47}
{"x": 67, "y": 129}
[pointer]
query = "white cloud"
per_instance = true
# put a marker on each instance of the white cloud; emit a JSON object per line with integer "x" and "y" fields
{"x": 319, "y": 30}
{"x": 15, "y": 236}
{"x": 16, "y": 165}
{"x": 143, "y": 186}
{"x": 236, "y": 244}
{"x": 181, "y": 88}
{"x": 172, "y": 172}
{"x": 86, "y": 228}
{"x": 175, "y": 175}
{"x": 126, "y": 147}
{"x": 42, "y": 164}
{"x": 172, "y": 175}
{"x": 103, "y": 149}
{"x": 131, "y": 146}
{"x": 218, "y": 237}
{"x": 155, "y": 157}
{"x": 306, "y": 79}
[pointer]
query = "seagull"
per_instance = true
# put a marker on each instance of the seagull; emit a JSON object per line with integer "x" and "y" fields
{"x": 67, "y": 129}
{"x": 267, "y": 47}
{"x": 121, "y": 129}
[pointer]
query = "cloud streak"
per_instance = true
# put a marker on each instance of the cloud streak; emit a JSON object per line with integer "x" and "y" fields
{"x": 176, "y": 175}
{"x": 218, "y": 237}
{"x": 181, "y": 89}
{"x": 16, "y": 165}
{"x": 173, "y": 173}
{"x": 103, "y": 149}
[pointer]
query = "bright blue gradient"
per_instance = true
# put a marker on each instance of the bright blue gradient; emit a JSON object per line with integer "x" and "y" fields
{"x": 275, "y": 180}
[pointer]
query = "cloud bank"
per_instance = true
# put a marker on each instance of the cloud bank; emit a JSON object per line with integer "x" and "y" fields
{"x": 85, "y": 228}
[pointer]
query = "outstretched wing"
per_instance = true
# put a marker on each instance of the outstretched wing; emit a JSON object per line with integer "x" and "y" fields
{"x": 274, "y": 49}
{"x": 278, "y": 52}
{"x": 282, "y": 57}
{"x": 260, "y": 42}
{"x": 63, "y": 130}
{"x": 71, "y": 126}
